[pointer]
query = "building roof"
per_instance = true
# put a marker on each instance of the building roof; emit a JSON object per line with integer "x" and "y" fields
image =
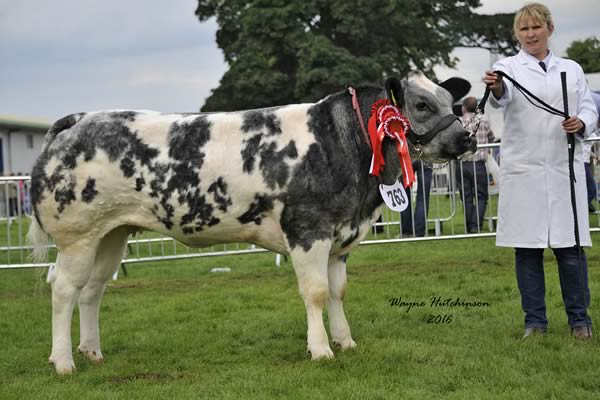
{"x": 24, "y": 124}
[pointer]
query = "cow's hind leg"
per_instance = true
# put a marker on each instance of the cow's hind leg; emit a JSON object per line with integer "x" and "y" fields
{"x": 108, "y": 258}
{"x": 73, "y": 267}
{"x": 338, "y": 326}
{"x": 311, "y": 270}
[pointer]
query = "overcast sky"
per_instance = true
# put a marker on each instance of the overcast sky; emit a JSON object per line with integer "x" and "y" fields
{"x": 63, "y": 56}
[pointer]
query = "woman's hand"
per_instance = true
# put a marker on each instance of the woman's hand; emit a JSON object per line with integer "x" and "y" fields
{"x": 494, "y": 81}
{"x": 572, "y": 125}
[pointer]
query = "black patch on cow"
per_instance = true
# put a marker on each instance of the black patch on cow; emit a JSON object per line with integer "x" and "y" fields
{"x": 109, "y": 134}
{"x": 272, "y": 163}
{"x": 200, "y": 213}
{"x": 250, "y": 149}
{"x": 219, "y": 191}
{"x": 166, "y": 215}
{"x": 262, "y": 121}
{"x": 331, "y": 185}
{"x": 263, "y": 127}
{"x": 58, "y": 175}
{"x": 140, "y": 183}
{"x": 256, "y": 212}
{"x": 128, "y": 166}
{"x": 160, "y": 175}
{"x": 89, "y": 192}
{"x": 183, "y": 178}
{"x": 65, "y": 195}
{"x": 180, "y": 176}
{"x": 77, "y": 138}
{"x": 187, "y": 139}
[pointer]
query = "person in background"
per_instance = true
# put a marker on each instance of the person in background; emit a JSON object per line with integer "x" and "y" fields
{"x": 534, "y": 206}
{"x": 471, "y": 173}
{"x": 424, "y": 174}
{"x": 13, "y": 188}
{"x": 592, "y": 186}
{"x": 592, "y": 189}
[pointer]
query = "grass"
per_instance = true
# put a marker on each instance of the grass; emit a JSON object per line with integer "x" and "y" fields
{"x": 174, "y": 330}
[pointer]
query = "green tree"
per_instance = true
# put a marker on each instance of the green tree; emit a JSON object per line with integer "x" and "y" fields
{"x": 586, "y": 53}
{"x": 492, "y": 32}
{"x": 287, "y": 51}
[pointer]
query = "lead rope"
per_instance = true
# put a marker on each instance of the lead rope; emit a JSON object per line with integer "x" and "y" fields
{"x": 571, "y": 142}
{"x": 530, "y": 97}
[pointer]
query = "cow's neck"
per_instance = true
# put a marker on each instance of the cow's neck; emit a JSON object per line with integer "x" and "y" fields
{"x": 392, "y": 171}
{"x": 390, "y": 174}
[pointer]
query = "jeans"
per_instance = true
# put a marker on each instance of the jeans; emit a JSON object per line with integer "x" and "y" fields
{"x": 424, "y": 175}
{"x": 530, "y": 279}
{"x": 474, "y": 182}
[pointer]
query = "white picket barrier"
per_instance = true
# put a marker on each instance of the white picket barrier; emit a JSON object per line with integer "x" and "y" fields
{"x": 444, "y": 221}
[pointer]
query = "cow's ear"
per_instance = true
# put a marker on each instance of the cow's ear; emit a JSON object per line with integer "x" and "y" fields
{"x": 458, "y": 87}
{"x": 393, "y": 88}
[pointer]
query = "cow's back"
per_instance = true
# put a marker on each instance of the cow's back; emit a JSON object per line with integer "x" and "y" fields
{"x": 201, "y": 178}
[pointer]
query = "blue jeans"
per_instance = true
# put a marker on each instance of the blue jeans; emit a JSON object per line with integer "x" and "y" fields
{"x": 424, "y": 175}
{"x": 473, "y": 187}
{"x": 530, "y": 278}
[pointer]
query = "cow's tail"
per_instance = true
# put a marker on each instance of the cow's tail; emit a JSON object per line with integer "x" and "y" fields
{"x": 39, "y": 240}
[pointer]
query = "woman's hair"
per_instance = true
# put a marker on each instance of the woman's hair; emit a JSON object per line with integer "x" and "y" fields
{"x": 536, "y": 11}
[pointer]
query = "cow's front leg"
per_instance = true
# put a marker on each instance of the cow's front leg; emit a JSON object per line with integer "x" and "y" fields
{"x": 311, "y": 270}
{"x": 338, "y": 325}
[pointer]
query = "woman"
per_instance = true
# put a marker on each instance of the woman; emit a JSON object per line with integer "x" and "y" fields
{"x": 534, "y": 209}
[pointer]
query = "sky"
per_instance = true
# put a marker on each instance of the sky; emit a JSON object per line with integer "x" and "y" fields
{"x": 64, "y": 56}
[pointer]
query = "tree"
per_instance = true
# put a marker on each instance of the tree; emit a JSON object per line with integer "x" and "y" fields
{"x": 286, "y": 51}
{"x": 490, "y": 32}
{"x": 586, "y": 53}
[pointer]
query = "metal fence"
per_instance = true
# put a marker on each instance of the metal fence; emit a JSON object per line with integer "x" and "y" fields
{"x": 445, "y": 218}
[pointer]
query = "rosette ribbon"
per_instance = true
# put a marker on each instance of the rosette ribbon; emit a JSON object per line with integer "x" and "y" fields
{"x": 387, "y": 120}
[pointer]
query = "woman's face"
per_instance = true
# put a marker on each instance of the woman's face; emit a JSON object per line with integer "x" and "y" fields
{"x": 533, "y": 36}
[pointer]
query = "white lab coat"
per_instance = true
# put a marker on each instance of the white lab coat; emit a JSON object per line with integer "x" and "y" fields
{"x": 534, "y": 208}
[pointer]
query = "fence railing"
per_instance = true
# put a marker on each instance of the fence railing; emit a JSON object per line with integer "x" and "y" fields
{"x": 446, "y": 202}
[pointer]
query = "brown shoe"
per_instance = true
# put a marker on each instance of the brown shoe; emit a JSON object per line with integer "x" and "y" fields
{"x": 535, "y": 331}
{"x": 582, "y": 332}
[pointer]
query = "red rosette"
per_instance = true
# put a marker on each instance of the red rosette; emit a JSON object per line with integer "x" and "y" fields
{"x": 387, "y": 120}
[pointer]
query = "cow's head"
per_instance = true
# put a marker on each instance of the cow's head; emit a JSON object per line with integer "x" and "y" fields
{"x": 436, "y": 134}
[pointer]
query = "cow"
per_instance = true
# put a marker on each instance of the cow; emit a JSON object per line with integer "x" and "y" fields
{"x": 292, "y": 179}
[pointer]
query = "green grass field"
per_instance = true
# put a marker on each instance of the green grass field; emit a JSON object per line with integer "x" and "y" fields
{"x": 173, "y": 330}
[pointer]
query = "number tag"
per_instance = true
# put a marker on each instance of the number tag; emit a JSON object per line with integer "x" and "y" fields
{"x": 394, "y": 196}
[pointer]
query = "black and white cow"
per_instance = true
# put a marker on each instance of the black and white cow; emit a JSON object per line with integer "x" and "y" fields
{"x": 292, "y": 179}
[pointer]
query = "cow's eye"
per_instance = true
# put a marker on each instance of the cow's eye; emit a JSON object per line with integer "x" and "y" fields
{"x": 422, "y": 106}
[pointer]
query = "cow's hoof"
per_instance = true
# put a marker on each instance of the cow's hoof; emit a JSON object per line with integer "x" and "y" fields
{"x": 320, "y": 353}
{"x": 345, "y": 344}
{"x": 94, "y": 356}
{"x": 62, "y": 367}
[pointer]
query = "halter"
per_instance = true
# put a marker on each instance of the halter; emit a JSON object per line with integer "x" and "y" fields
{"x": 420, "y": 140}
